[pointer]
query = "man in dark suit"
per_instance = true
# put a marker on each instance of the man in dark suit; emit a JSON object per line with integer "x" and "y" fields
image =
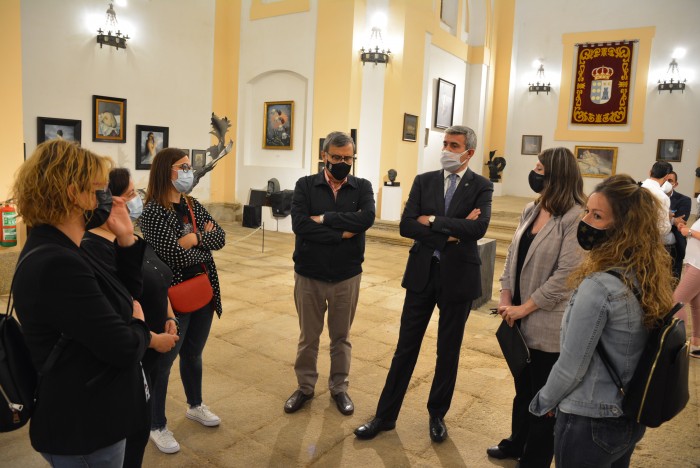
{"x": 680, "y": 207}
{"x": 447, "y": 212}
{"x": 680, "y": 204}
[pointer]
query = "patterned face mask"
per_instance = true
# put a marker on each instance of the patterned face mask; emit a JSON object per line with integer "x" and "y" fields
{"x": 589, "y": 236}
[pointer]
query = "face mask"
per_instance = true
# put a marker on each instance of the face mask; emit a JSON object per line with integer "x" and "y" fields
{"x": 97, "y": 217}
{"x": 536, "y": 181}
{"x": 339, "y": 171}
{"x": 589, "y": 236}
{"x": 450, "y": 161}
{"x": 667, "y": 187}
{"x": 183, "y": 183}
{"x": 135, "y": 206}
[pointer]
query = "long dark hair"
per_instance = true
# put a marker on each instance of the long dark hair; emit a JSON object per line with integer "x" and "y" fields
{"x": 159, "y": 182}
{"x": 563, "y": 184}
{"x": 119, "y": 181}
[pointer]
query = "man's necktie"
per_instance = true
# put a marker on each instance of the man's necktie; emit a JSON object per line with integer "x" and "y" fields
{"x": 448, "y": 198}
{"x": 450, "y": 191}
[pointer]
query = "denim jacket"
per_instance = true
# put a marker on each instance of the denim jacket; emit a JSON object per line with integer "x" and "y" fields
{"x": 601, "y": 309}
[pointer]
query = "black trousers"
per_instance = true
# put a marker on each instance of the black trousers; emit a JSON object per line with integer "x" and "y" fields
{"x": 417, "y": 310}
{"x": 532, "y": 437}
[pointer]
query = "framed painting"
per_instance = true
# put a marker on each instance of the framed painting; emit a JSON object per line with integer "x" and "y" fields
{"x": 669, "y": 150}
{"x": 278, "y": 125}
{"x": 149, "y": 140}
{"x": 199, "y": 158}
{"x": 410, "y": 127}
{"x": 108, "y": 119}
{"x": 48, "y": 128}
{"x": 444, "y": 104}
{"x": 596, "y": 161}
{"x": 532, "y": 144}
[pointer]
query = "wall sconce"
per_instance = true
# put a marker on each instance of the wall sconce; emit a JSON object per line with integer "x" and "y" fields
{"x": 673, "y": 79}
{"x": 375, "y": 56}
{"x": 540, "y": 87}
{"x": 117, "y": 40}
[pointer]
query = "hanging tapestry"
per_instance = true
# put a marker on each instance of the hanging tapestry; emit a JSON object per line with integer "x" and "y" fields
{"x": 603, "y": 77}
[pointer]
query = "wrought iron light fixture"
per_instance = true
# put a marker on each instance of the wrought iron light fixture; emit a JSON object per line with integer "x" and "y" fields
{"x": 539, "y": 86}
{"x": 117, "y": 39}
{"x": 375, "y": 55}
{"x": 673, "y": 79}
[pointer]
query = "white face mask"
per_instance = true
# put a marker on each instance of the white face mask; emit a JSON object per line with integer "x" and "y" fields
{"x": 135, "y": 206}
{"x": 667, "y": 187}
{"x": 450, "y": 161}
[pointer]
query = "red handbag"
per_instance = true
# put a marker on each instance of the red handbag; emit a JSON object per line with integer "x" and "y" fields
{"x": 194, "y": 293}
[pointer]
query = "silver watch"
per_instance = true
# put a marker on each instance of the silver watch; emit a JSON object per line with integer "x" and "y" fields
{"x": 431, "y": 219}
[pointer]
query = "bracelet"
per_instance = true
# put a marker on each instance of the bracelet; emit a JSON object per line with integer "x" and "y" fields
{"x": 174, "y": 319}
{"x": 199, "y": 237}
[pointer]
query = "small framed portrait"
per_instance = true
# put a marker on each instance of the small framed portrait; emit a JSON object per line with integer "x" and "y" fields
{"x": 108, "y": 119}
{"x": 532, "y": 144}
{"x": 321, "y": 166}
{"x": 278, "y": 125}
{"x": 410, "y": 127}
{"x": 596, "y": 161}
{"x": 669, "y": 150}
{"x": 199, "y": 159}
{"x": 444, "y": 103}
{"x": 149, "y": 140}
{"x": 48, "y": 128}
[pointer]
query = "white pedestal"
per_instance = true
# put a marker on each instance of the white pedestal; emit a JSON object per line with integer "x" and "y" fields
{"x": 497, "y": 189}
{"x": 391, "y": 203}
{"x": 276, "y": 224}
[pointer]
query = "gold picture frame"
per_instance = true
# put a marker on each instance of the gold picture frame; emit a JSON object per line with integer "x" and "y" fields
{"x": 596, "y": 161}
{"x": 278, "y": 125}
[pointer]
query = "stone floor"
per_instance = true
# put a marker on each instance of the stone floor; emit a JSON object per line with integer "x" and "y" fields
{"x": 249, "y": 374}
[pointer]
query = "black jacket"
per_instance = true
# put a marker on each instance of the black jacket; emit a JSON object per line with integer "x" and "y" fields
{"x": 459, "y": 261}
{"x": 320, "y": 251}
{"x": 94, "y": 394}
{"x": 681, "y": 205}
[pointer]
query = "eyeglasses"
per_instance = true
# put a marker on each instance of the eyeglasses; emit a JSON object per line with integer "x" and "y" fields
{"x": 184, "y": 167}
{"x": 337, "y": 158}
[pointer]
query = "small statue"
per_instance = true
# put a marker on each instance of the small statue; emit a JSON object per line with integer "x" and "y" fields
{"x": 216, "y": 152}
{"x": 495, "y": 165}
{"x": 391, "y": 174}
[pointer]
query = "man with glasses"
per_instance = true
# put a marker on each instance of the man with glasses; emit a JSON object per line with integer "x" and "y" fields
{"x": 447, "y": 212}
{"x": 331, "y": 211}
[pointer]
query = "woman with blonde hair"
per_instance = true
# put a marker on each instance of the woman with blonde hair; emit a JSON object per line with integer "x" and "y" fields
{"x": 93, "y": 396}
{"x": 542, "y": 255}
{"x": 620, "y": 231}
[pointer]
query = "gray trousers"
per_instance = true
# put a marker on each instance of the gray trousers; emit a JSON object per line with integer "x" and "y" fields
{"x": 312, "y": 298}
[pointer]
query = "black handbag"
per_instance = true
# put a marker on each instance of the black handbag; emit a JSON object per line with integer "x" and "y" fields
{"x": 513, "y": 346}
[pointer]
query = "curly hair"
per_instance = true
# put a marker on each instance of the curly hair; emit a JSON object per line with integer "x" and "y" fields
{"x": 159, "y": 182}
{"x": 633, "y": 245}
{"x": 563, "y": 184}
{"x": 46, "y": 185}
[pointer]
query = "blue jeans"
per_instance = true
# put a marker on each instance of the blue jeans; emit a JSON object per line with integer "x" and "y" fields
{"x": 580, "y": 441}
{"x": 194, "y": 331}
{"x": 111, "y": 456}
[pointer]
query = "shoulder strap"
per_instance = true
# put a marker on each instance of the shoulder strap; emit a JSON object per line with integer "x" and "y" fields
{"x": 194, "y": 220}
{"x": 62, "y": 341}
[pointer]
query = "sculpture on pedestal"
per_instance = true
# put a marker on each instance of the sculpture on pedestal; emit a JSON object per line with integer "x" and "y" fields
{"x": 391, "y": 174}
{"x": 496, "y": 165}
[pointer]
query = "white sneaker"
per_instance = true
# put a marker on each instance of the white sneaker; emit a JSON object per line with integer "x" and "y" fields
{"x": 202, "y": 415}
{"x": 165, "y": 441}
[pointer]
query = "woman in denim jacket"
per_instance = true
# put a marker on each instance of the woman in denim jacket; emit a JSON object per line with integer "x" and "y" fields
{"x": 620, "y": 231}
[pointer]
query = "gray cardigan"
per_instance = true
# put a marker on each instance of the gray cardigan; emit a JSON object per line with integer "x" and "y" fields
{"x": 553, "y": 255}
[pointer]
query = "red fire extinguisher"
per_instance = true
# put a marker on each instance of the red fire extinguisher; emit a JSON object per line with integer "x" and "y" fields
{"x": 9, "y": 225}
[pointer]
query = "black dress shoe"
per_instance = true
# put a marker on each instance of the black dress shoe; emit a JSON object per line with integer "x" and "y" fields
{"x": 344, "y": 403}
{"x": 500, "y": 453}
{"x": 374, "y": 427}
{"x": 438, "y": 430}
{"x": 296, "y": 401}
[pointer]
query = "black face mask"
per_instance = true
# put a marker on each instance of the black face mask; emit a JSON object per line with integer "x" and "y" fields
{"x": 589, "y": 236}
{"x": 98, "y": 216}
{"x": 536, "y": 181}
{"x": 339, "y": 171}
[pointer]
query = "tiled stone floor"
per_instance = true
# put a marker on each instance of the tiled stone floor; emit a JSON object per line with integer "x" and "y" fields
{"x": 249, "y": 374}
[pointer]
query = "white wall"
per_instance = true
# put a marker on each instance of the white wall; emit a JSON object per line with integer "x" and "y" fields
{"x": 276, "y": 64}
{"x": 673, "y": 116}
{"x": 165, "y": 73}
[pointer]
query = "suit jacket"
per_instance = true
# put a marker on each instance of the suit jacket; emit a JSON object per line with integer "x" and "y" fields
{"x": 552, "y": 256}
{"x": 680, "y": 203}
{"x": 459, "y": 261}
{"x": 94, "y": 394}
